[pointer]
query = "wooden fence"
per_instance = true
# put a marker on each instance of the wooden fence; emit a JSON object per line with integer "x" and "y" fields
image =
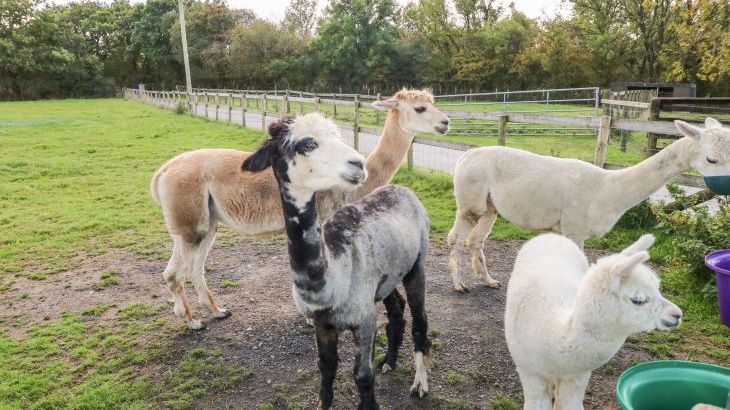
{"x": 258, "y": 101}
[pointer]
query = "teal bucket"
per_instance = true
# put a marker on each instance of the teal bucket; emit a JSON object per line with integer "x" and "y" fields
{"x": 719, "y": 184}
{"x": 672, "y": 385}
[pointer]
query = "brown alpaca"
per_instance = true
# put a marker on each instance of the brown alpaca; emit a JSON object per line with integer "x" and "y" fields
{"x": 198, "y": 189}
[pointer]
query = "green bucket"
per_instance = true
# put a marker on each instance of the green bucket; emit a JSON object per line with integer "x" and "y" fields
{"x": 672, "y": 385}
{"x": 719, "y": 184}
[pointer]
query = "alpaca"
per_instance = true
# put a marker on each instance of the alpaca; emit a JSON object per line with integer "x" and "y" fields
{"x": 364, "y": 250}
{"x": 199, "y": 189}
{"x": 574, "y": 197}
{"x": 564, "y": 318}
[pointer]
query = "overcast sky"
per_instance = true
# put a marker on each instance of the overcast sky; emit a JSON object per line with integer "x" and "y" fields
{"x": 274, "y": 9}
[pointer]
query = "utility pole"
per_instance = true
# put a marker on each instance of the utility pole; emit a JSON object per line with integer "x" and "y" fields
{"x": 185, "y": 48}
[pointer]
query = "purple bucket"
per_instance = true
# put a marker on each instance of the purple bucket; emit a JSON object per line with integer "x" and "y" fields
{"x": 719, "y": 261}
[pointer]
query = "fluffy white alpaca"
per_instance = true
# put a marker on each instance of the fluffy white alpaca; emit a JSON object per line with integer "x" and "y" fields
{"x": 565, "y": 318}
{"x": 579, "y": 199}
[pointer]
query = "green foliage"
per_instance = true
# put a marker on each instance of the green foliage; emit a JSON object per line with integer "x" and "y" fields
{"x": 501, "y": 401}
{"x": 108, "y": 278}
{"x": 87, "y": 48}
{"x": 226, "y": 283}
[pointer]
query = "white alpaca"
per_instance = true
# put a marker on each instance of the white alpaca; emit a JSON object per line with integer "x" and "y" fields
{"x": 342, "y": 269}
{"x": 564, "y": 318}
{"x": 577, "y": 198}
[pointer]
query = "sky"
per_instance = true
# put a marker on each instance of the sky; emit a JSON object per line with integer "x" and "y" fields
{"x": 274, "y": 9}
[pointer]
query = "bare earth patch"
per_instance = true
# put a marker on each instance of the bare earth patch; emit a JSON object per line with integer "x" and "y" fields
{"x": 267, "y": 335}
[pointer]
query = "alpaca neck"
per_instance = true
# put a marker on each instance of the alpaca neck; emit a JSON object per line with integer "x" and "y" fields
{"x": 638, "y": 182}
{"x": 304, "y": 232}
{"x": 383, "y": 162}
{"x": 589, "y": 332}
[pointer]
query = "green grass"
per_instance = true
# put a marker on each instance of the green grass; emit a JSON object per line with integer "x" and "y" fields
{"x": 74, "y": 178}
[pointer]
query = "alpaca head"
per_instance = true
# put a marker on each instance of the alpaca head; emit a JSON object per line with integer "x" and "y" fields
{"x": 627, "y": 297}
{"x": 416, "y": 112}
{"x": 307, "y": 155}
{"x": 713, "y": 157}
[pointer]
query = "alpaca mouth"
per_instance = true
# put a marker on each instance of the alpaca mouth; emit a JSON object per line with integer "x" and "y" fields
{"x": 669, "y": 325}
{"x": 442, "y": 130}
{"x": 354, "y": 179}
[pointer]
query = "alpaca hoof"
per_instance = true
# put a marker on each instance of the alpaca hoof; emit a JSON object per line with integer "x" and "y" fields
{"x": 309, "y": 321}
{"x": 419, "y": 388}
{"x": 196, "y": 325}
{"x": 494, "y": 284}
{"x": 386, "y": 368}
{"x": 321, "y": 407}
{"x": 222, "y": 314}
{"x": 462, "y": 288}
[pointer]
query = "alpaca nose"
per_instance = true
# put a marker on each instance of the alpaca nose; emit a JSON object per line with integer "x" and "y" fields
{"x": 357, "y": 163}
{"x": 677, "y": 315}
{"x": 445, "y": 122}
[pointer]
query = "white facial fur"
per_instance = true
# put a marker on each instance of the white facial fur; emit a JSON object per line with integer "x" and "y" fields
{"x": 714, "y": 141}
{"x": 634, "y": 298}
{"x": 429, "y": 120}
{"x": 332, "y": 164}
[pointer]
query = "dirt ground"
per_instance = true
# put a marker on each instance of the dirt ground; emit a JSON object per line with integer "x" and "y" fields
{"x": 266, "y": 334}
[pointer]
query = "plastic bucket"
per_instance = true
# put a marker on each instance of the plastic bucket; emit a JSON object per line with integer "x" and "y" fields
{"x": 719, "y": 184}
{"x": 672, "y": 385}
{"x": 719, "y": 261}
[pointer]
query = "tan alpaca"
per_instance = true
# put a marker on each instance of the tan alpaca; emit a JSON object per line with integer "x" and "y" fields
{"x": 198, "y": 189}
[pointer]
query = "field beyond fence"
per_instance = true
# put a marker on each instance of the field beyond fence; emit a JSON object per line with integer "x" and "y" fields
{"x": 559, "y": 122}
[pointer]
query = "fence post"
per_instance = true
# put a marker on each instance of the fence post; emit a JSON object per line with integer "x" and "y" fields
{"x": 356, "y": 126}
{"x": 604, "y": 131}
{"x": 334, "y": 107}
{"x": 217, "y": 104}
{"x": 230, "y": 107}
{"x": 301, "y": 103}
{"x": 502, "y": 130}
{"x": 409, "y": 158}
{"x": 205, "y": 95}
{"x": 316, "y": 102}
{"x": 654, "y": 110}
{"x": 287, "y": 107}
{"x": 243, "y": 109}
{"x": 377, "y": 112}
{"x": 263, "y": 114}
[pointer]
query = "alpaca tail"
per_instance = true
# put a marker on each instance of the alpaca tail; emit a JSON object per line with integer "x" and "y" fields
{"x": 154, "y": 184}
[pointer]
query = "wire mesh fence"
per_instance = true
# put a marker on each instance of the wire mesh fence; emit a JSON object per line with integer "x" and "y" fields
{"x": 565, "y": 123}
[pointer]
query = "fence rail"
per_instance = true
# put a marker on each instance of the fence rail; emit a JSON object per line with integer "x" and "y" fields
{"x": 248, "y": 102}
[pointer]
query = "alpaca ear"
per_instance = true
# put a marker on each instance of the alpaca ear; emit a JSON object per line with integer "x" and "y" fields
{"x": 642, "y": 244}
{"x": 712, "y": 123}
{"x": 261, "y": 159}
{"x": 689, "y": 130}
{"x": 385, "y": 105}
{"x": 624, "y": 266}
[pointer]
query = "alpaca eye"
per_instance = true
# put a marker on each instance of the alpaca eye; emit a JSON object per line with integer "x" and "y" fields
{"x": 420, "y": 109}
{"x": 710, "y": 160}
{"x": 306, "y": 145}
{"x": 638, "y": 302}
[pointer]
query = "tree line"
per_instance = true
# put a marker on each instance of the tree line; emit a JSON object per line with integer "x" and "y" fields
{"x": 91, "y": 48}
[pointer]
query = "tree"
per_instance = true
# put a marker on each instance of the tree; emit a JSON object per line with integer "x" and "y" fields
{"x": 300, "y": 17}
{"x": 702, "y": 48}
{"x": 355, "y": 41}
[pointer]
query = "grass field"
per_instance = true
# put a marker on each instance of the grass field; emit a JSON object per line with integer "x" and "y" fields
{"x": 74, "y": 181}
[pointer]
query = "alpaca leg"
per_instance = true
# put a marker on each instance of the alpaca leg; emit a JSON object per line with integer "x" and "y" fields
{"x": 327, "y": 347}
{"x": 537, "y": 391}
{"x": 174, "y": 275}
{"x": 475, "y": 242}
{"x": 205, "y": 297}
{"x": 415, "y": 285}
{"x": 571, "y": 392}
{"x": 455, "y": 240}
{"x": 363, "y": 372}
{"x": 394, "y": 306}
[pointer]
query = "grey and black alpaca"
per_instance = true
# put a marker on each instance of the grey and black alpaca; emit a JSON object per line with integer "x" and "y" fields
{"x": 364, "y": 251}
